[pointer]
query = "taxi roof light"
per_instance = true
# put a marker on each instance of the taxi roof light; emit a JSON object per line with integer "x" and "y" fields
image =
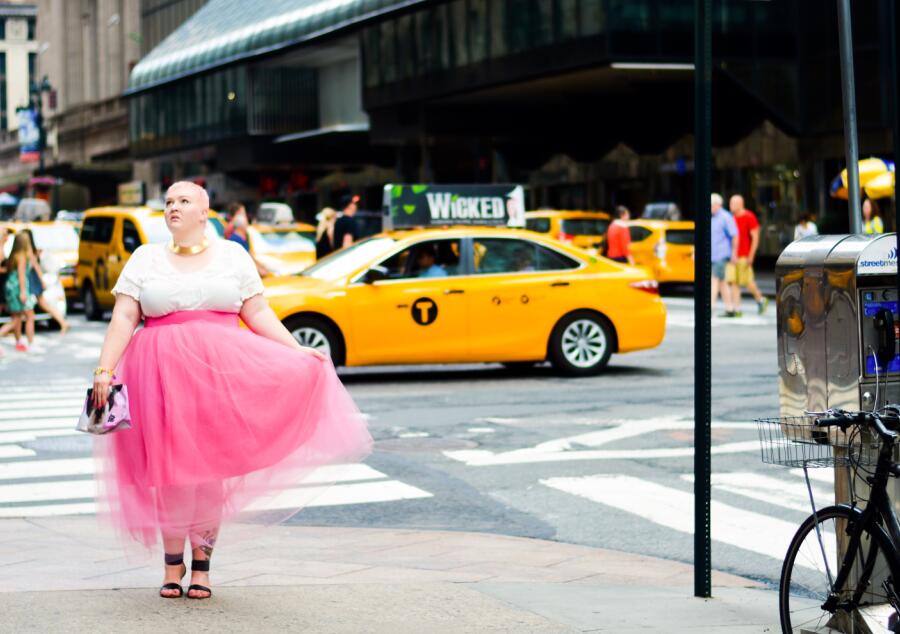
{"x": 648, "y": 286}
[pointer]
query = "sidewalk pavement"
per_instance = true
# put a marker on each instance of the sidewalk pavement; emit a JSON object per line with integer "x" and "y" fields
{"x": 64, "y": 574}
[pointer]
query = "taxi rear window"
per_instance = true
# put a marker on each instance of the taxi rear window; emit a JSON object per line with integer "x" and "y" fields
{"x": 585, "y": 226}
{"x": 506, "y": 255}
{"x": 97, "y": 229}
{"x": 680, "y": 236}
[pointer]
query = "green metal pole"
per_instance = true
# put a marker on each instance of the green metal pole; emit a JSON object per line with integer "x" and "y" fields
{"x": 702, "y": 299}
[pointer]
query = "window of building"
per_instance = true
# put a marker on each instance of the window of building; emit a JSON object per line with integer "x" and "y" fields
{"x": 2, "y": 28}
{"x": 32, "y": 68}
{"x": 32, "y": 27}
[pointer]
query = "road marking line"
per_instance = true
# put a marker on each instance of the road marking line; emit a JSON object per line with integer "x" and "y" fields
{"x": 46, "y": 412}
{"x": 34, "y": 424}
{"x": 19, "y": 400}
{"x": 17, "y": 437}
{"x": 568, "y": 448}
{"x": 818, "y": 475}
{"x": 357, "y": 493}
{"x": 786, "y": 494}
{"x": 14, "y": 451}
{"x": 674, "y": 509}
{"x": 46, "y": 468}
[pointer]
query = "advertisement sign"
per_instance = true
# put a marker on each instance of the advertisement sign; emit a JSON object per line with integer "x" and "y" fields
{"x": 436, "y": 205}
{"x": 131, "y": 193}
{"x": 879, "y": 257}
{"x": 29, "y": 135}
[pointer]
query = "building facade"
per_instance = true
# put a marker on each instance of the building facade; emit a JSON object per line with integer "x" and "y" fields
{"x": 18, "y": 56}
{"x": 86, "y": 49}
{"x": 589, "y": 102}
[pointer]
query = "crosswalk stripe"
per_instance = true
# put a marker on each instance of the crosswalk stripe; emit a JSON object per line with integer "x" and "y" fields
{"x": 14, "y": 451}
{"x": 46, "y": 412}
{"x": 40, "y": 423}
{"x": 673, "y": 509}
{"x": 8, "y": 401}
{"x": 16, "y": 437}
{"x": 46, "y": 468}
{"x": 786, "y": 494}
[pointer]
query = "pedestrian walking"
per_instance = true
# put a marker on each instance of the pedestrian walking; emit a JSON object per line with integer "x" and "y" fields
{"x": 741, "y": 272}
{"x": 346, "y": 231}
{"x": 806, "y": 227}
{"x": 36, "y": 285}
{"x": 618, "y": 237}
{"x": 237, "y": 231}
{"x": 872, "y": 223}
{"x": 19, "y": 298}
{"x": 325, "y": 232}
{"x": 221, "y": 416}
{"x": 723, "y": 234}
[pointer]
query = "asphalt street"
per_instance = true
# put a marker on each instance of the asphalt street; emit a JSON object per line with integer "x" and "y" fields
{"x": 603, "y": 461}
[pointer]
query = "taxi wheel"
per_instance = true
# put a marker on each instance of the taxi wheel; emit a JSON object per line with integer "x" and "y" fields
{"x": 92, "y": 310}
{"x": 581, "y": 344}
{"x": 314, "y": 332}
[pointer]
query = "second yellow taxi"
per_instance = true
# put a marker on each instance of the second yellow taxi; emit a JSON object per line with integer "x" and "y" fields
{"x": 470, "y": 294}
{"x": 665, "y": 248}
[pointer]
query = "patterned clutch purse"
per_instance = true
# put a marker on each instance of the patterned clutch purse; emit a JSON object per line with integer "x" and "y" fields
{"x": 114, "y": 416}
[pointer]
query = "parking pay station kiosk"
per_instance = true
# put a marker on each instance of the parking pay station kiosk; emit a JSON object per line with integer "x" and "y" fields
{"x": 837, "y": 323}
{"x": 837, "y": 336}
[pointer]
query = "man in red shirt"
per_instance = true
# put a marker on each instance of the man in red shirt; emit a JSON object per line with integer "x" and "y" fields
{"x": 618, "y": 237}
{"x": 741, "y": 273}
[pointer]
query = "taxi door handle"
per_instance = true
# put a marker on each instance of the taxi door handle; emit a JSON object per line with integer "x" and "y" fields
{"x": 559, "y": 284}
{"x": 453, "y": 291}
{"x": 402, "y": 305}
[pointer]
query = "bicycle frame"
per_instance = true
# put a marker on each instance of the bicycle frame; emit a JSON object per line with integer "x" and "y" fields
{"x": 878, "y": 512}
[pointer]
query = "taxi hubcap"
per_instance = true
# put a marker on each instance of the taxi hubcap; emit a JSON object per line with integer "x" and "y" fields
{"x": 312, "y": 338}
{"x": 583, "y": 343}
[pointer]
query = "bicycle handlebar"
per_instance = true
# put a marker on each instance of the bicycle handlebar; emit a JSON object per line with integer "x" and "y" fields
{"x": 844, "y": 419}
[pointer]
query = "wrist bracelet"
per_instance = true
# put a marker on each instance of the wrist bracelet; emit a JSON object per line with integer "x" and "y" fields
{"x": 98, "y": 371}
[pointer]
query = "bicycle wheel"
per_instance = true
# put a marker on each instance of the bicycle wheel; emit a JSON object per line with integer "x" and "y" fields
{"x": 806, "y": 582}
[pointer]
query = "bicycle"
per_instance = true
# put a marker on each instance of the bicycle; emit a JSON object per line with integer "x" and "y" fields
{"x": 817, "y": 590}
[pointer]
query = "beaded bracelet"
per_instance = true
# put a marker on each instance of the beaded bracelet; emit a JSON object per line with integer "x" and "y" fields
{"x": 98, "y": 371}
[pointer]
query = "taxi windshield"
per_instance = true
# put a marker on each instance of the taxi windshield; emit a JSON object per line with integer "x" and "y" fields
{"x": 283, "y": 241}
{"x": 156, "y": 230}
{"x": 348, "y": 260}
{"x": 55, "y": 237}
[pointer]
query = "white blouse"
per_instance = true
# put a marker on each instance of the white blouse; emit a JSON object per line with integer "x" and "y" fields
{"x": 151, "y": 278}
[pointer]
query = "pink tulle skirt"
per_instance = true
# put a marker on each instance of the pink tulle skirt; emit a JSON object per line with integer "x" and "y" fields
{"x": 226, "y": 425}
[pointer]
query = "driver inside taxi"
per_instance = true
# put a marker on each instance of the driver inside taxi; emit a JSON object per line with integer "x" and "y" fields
{"x": 426, "y": 264}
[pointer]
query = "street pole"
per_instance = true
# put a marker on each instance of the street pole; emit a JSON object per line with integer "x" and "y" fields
{"x": 702, "y": 299}
{"x": 848, "y": 89}
{"x": 894, "y": 16}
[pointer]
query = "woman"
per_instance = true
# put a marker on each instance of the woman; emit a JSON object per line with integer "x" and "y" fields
{"x": 325, "y": 232}
{"x": 36, "y": 285}
{"x": 19, "y": 299}
{"x": 221, "y": 416}
{"x": 805, "y": 228}
{"x": 871, "y": 217}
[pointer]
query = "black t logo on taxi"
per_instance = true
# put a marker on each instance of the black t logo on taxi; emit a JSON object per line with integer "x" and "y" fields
{"x": 424, "y": 311}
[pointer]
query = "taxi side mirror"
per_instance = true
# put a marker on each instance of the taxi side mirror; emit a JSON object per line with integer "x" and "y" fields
{"x": 374, "y": 274}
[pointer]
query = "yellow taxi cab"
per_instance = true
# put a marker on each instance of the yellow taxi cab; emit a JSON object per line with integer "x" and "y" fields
{"x": 469, "y": 294}
{"x": 584, "y": 229}
{"x": 664, "y": 247}
{"x": 283, "y": 249}
{"x": 58, "y": 243}
{"x": 109, "y": 235}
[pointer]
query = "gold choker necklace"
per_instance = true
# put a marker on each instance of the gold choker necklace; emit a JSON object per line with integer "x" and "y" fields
{"x": 193, "y": 250}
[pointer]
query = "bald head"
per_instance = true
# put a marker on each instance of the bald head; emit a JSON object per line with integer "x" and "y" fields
{"x": 736, "y": 204}
{"x": 187, "y": 188}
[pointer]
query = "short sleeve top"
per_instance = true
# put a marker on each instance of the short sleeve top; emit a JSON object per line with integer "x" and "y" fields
{"x": 223, "y": 285}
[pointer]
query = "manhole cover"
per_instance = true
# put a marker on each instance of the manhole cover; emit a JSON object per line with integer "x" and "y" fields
{"x": 423, "y": 444}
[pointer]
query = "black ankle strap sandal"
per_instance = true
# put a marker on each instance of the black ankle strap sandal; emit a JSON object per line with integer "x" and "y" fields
{"x": 173, "y": 560}
{"x": 200, "y": 565}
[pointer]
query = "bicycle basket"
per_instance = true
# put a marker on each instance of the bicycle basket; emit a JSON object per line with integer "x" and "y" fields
{"x": 793, "y": 441}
